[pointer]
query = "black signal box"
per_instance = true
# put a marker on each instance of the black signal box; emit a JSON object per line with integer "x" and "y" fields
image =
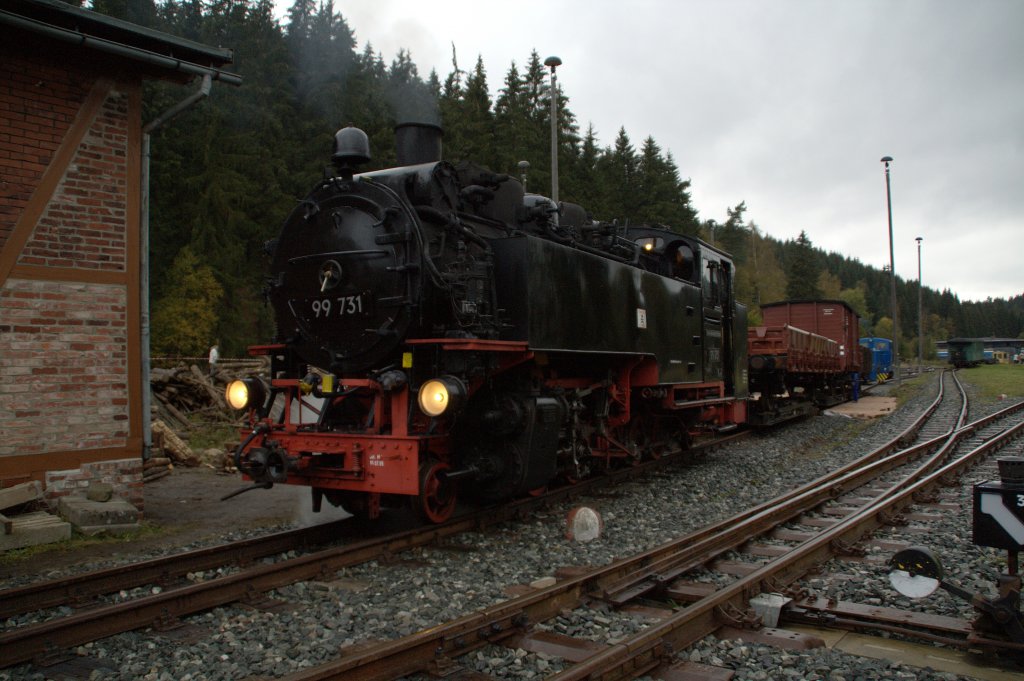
{"x": 999, "y": 508}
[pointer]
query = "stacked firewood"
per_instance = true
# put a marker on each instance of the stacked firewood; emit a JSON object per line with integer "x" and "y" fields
{"x": 181, "y": 394}
{"x": 184, "y": 390}
{"x": 156, "y": 467}
{"x": 173, "y": 446}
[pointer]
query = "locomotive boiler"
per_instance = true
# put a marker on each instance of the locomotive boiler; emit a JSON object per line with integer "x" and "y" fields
{"x": 443, "y": 334}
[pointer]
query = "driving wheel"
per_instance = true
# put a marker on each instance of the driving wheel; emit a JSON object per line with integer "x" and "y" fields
{"x": 436, "y": 500}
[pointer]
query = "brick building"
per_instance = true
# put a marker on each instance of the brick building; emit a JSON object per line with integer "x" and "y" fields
{"x": 71, "y": 131}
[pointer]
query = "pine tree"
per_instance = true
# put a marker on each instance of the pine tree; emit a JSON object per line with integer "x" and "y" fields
{"x": 369, "y": 108}
{"x": 770, "y": 278}
{"x": 477, "y": 120}
{"x": 412, "y": 100}
{"x": 511, "y": 124}
{"x": 322, "y": 51}
{"x": 451, "y": 109}
{"x": 802, "y": 269}
{"x": 682, "y": 215}
{"x": 140, "y": 12}
{"x": 663, "y": 196}
{"x": 732, "y": 236}
{"x": 619, "y": 178}
{"x": 586, "y": 174}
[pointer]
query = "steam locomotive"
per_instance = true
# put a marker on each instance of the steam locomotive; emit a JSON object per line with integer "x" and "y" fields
{"x": 441, "y": 333}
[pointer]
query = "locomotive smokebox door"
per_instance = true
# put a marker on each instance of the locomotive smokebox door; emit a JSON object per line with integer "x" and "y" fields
{"x": 999, "y": 507}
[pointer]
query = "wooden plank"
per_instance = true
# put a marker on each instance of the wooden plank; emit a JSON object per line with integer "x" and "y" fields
{"x": 20, "y": 494}
{"x": 557, "y": 645}
{"x": 695, "y": 671}
{"x": 35, "y": 528}
{"x": 75, "y": 274}
{"x": 36, "y": 465}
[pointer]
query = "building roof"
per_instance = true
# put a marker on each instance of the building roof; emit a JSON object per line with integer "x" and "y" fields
{"x": 987, "y": 340}
{"x": 805, "y": 301}
{"x": 92, "y": 30}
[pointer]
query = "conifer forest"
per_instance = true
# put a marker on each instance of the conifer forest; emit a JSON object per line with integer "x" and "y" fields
{"x": 227, "y": 172}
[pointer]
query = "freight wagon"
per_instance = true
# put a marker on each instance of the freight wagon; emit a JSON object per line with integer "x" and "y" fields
{"x": 805, "y": 357}
{"x": 965, "y": 352}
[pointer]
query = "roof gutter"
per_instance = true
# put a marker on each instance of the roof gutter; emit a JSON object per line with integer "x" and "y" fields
{"x": 118, "y": 49}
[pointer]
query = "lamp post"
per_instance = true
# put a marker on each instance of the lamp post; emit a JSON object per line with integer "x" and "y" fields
{"x": 920, "y": 316}
{"x": 892, "y": 274}
{"x": 553, "y": 63}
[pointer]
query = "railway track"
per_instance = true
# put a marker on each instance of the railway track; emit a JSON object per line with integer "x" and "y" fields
{"x": 853, "y": 501}
{"x": 252, "y": 584}
{"x": 56, "y": 615}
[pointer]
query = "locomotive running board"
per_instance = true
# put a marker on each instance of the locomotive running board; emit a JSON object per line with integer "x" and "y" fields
{"x": 701, "y": 403}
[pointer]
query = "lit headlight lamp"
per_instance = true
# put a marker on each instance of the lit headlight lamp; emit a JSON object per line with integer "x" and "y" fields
{"x": 246, "y": 393}
{"x": 439, "y": 395}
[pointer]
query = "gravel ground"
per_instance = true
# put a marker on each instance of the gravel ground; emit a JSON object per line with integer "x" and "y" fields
{"x": 182, "y": 511}
{"x": 428, "y": 586}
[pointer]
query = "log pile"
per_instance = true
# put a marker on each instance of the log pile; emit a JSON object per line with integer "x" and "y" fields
{"x": 156, "y": 467}
{"x": 173, "y": 446}
{"x": 180, "y": 395}
{"x": 182, "y": 390}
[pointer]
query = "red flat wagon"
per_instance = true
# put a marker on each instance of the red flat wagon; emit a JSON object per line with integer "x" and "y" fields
{"x": 793, "y": 350}
{"x": 832, "y": 319}
{"x": 806, "y": 356}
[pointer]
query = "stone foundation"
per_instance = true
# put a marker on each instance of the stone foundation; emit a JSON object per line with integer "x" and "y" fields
{"x": 124, "y": 475}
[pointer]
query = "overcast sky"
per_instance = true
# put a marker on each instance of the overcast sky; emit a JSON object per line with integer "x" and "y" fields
{"x": 787, "y": 105}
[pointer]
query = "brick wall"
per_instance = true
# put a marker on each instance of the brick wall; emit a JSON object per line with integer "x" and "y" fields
{"x": 63, "y": 362}
{"x": 38, "y": 102}
{"x": 68, "y": 313}
{"x": 124, "y": 475}
{"x": 84, "y": 224}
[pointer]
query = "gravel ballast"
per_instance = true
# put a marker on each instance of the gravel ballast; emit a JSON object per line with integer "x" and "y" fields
{"x": 428, "y": 586}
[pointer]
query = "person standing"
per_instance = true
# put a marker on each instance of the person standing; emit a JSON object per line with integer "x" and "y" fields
{"x": 214, "y": 356}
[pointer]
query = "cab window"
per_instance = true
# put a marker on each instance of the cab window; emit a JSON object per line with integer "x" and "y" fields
{"x": 712, "y": 283}
{"x": 682, "y": 262}
{"x": 649, "y": 244}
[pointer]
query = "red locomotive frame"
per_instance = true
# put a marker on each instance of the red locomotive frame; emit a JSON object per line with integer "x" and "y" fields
{"x": 400, "y": 456}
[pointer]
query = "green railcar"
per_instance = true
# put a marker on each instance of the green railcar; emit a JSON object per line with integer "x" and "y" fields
{"x": 965, "y": 352}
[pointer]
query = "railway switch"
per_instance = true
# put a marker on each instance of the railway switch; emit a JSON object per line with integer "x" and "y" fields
{"x": 916, "y": 573}
{"x": 998, "y": 522}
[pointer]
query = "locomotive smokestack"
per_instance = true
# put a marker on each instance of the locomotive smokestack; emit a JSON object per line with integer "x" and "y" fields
{"x": 418, "y": 143}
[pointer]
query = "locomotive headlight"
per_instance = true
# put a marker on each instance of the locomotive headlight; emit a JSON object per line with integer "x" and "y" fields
{"x": 245, "y": 393}
{"x": 438, "y": 395}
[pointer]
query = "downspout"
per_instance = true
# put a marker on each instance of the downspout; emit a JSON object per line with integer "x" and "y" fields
{"x": 147, "y": 426}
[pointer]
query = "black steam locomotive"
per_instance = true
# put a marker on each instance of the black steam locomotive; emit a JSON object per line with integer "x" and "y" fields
{"x": 441, "y": 333}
